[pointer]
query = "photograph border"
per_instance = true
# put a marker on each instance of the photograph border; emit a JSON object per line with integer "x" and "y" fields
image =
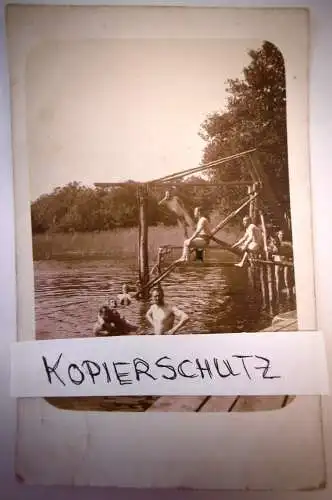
{"x": 298, "y": 153}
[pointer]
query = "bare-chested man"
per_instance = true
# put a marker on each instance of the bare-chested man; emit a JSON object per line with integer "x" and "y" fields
{"x": 199, "y": 239}
{"x": 175, "y": 204}
{"x": 162, "y": 316}
{"x": 251, "y": 242}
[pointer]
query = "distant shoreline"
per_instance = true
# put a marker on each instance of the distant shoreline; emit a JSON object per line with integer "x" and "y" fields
{"x": 119, "y": 243}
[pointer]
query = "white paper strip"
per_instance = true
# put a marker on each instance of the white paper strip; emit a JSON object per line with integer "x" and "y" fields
{"x": 219, "y": 364}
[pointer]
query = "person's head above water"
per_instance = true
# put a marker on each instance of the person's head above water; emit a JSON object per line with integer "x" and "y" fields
{"x": 113, "y": 304}
{"x": 104, "y": 312}
{"x": 125, "y": 288}
{"x": 157, "y": 296}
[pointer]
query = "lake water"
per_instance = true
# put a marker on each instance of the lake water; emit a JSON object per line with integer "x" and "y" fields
{"x": 68, "y": 294}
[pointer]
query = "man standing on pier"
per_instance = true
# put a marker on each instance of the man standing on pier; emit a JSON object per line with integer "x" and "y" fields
{"x": 162, "y": 316}
{"x": 251, "y": 242}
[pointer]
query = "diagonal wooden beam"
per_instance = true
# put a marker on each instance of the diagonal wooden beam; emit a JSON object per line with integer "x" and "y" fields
{"x": 175, "y": 183}
{"x": 233, "y": 214}
{"x": 203, "y": 167}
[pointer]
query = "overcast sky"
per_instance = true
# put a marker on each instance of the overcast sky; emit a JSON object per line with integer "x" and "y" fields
{"x": 113, "y": 110}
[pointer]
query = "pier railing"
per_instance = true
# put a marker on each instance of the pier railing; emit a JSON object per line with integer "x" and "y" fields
{"x": 270, "y": 276}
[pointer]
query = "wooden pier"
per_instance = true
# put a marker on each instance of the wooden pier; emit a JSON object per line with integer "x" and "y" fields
{"x": 217, "y": 404}
{"x": 205, "y": 404}
{"x": 214, "y": 404}
{"x": 270, "y": 278}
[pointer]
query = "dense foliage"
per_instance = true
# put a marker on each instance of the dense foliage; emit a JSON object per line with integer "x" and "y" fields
{"x": 80, "y": 208}
{"x": 255, "y": 117}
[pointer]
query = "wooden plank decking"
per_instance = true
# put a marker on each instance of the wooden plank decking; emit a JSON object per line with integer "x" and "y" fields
{"x": 193, "y": 404}
{"x": 218, "y": 404}
{"x": 214, "y": 404}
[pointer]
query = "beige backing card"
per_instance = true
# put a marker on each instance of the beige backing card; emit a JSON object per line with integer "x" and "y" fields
{"x": 280, "y": 449}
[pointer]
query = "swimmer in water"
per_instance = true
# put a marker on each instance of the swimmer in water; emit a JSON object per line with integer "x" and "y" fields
{"x": 110, "y": 323}
{"x": 124, "y": 298}
{"x": 104, "y": 324}
{"x": 162, "y": 316}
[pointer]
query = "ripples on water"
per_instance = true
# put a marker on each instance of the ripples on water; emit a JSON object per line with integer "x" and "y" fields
{"x": 68, "y": 295}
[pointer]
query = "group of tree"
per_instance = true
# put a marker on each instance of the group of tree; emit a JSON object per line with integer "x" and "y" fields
{"x": 254, "y": 117}
{"x": 75, "y": 207}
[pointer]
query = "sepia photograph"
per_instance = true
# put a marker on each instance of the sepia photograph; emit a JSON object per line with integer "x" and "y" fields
{"x": 162, "y": 187}
{"x": 160, "y": 201}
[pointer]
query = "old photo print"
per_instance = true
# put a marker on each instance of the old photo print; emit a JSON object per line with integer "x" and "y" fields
{"x": 161, "y": 181}
{"x": 154, "y": 166}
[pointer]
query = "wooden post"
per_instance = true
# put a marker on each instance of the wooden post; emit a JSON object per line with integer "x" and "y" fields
{"x": 143, "y": 255}
{"x": 269, "y": 271}
{"x": 251, "y": 278}
{"x": 264, "y": 290}
{"x": 251, "y": 205}
{"x": 262, "y": 267}
{"x": 277, "y": 272}
{"x": 255, "y": 206}
{"x": 271, "y": 286}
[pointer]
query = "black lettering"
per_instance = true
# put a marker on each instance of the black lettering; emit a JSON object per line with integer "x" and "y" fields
{"x": 93, "y": 374}
{"x": 108, "y": 376}
{"x": 52, "y": 369}
{"x": 201, "y": 369}
{"x": 121, "y": 375}
{"x": 71, "y": 367}
{"x": 242, "y": 357}
{"x": 169, "y": 367}
{"x": 265, "y": 368}
{"x": 228, "y": 366}
{"x": 182, "y": 373}
{"x": 138, "y": 371}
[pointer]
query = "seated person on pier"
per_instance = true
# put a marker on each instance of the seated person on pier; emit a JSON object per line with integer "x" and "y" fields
{"x": 199, "y": 239}
{"x": 272, "y": 246}
{"x": 162, "y": 316}
{"x": 280, "y": 249}
{"x": 285, "y": 247}
{"x": 284, "y": 254}
{"x": 251, "y": 242}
